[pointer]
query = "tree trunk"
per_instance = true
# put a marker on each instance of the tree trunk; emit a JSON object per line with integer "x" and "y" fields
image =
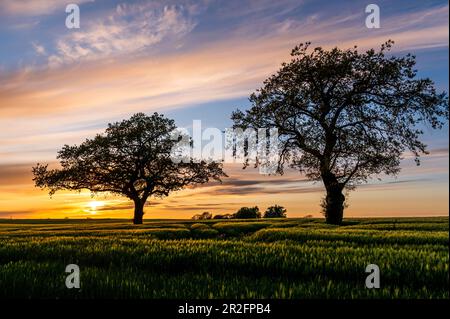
{"x": 138, "y": 211}
{"x": 334, "y": 206}
{"x": 334, "y": 200}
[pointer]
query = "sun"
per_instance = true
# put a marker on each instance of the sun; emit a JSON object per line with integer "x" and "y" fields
{"x": 93, "y": 205}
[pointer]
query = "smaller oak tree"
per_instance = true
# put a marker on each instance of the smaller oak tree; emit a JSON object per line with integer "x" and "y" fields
{"x": 132, "y": 158}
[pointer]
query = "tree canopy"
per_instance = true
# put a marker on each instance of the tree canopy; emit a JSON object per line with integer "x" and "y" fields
{"x": 248, "y": 212}
{"x": 343, "y": 116}
{"x": 132, "y": 158}
{"x": 275, "y": 211}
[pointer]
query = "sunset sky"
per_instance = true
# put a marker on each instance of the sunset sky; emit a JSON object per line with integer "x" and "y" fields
{"x": 193, "y": 60}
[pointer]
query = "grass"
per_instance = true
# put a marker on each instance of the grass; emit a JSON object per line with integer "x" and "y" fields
{"x": 279, "y": 258}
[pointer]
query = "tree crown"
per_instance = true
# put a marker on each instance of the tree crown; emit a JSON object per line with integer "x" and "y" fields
{"x": 275, "y": 211}
{"x": 131, "y": 158}
{"x": 248, "y": 212}
{"x": 345, "y": 115}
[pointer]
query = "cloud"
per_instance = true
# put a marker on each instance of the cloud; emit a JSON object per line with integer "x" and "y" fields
{"x": 440, "y": 152}
{"x": 24, "y": 25}
{"x": 40, "y": 50}
{"x": 34, "y": 7}
{"x": 16, "y": 214}
{"x": 426, "y": 28}
{"x": 136, "y": 79}
{"x": 260, "y": 191}
{"x": 130, "y": 29}
{"x": 147, "y": 83}
{"x": 13, "y": 174}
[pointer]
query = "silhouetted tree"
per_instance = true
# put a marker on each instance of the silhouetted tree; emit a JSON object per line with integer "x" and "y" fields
{"x": 343, "y": 116}
{"x": 132, "y": 158}
{"x": 248, "y": 212}
{"x": 205, "y": 215}
{"x": 275, "y": 211}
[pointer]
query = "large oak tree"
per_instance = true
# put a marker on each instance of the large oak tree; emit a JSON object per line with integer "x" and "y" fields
{"x": 343, "y": 116}
{"x": 132, "y": 158}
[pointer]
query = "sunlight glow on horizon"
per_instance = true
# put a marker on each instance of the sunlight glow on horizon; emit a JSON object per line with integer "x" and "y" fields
{"x": 93, "y": 205}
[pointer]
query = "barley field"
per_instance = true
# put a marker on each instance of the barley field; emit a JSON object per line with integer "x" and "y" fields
{"x": 267, "y": 258}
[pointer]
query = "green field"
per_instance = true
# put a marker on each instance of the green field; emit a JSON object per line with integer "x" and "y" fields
{"x": 281, "y": 258}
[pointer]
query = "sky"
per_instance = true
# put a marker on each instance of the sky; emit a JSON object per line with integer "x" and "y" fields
{"x": 193, "y": 60}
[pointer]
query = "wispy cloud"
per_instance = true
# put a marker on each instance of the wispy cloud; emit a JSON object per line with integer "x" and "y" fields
{"x": 180, "y": 77}
{"x": 24, "y": 25}
{"x": 128, "y": 30}
{"x": 34, "y": 7}
{"x": 38, "y": 48}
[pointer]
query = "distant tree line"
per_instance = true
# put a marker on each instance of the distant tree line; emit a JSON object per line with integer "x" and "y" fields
{"x": 275, "y": 211}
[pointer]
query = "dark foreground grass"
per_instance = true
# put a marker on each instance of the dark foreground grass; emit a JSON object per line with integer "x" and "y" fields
{"x": 290, "y": 258}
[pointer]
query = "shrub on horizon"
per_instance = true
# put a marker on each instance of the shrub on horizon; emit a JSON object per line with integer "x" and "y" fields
{"x": 202, "y": 216}
{"x": 248, "y": 212}
{"x": 275, "y": 211}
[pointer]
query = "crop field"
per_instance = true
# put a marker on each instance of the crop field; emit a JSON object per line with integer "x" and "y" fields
{"x": 277, "y": 258}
